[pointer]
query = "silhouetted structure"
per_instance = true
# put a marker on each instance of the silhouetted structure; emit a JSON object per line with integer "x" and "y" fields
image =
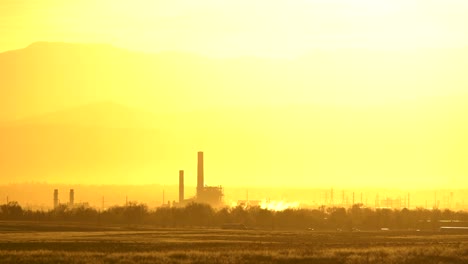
{"x": 212, "y": 195}
{"x": 72, "y": 197}
{"x": 200, "y": 173}
{"x": 56, "y": 199}
{"x": 390, "y": 203}
{"x": 181, "y": 186}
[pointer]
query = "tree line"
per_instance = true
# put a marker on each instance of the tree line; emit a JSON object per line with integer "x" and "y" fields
{"x": 357, "y": 217}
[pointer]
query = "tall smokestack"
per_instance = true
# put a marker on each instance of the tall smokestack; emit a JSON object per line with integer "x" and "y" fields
{"x": 56, "y": 200}
{"x": 200, "y": 177}
{"x": 72, "y": 197}
{"x": 181, "y": 186}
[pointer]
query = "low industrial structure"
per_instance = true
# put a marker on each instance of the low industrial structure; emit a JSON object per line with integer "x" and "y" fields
{"x": 71, "y": 202}
{"x": 211, "y": 195}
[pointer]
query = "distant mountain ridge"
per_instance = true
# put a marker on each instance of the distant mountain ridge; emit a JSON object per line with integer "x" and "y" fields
{"x": 46, "y": 77}
{"x": 67, "y": 114}
{"x": 99, "y": 114}
{"x": 80, "y": 143}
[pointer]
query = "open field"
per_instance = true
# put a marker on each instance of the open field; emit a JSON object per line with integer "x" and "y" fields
{"x": 23, "y": 242}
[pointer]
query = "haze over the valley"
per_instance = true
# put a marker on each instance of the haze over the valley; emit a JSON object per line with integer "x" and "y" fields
{"x": 93, "y": 114}
{"x": 233, "y": 131}
{"x": 305, "y": 93}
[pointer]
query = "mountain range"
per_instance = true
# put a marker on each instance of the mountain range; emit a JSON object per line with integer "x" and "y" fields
{"x": 95, "y": 113}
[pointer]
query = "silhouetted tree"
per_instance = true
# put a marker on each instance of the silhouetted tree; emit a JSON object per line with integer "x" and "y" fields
{"x": 337, "y": 217}
{"x": 199, "y": 214}
{"x": 135, "y": 212}
{"x": 203, "y": 215}
{"x": 263, "y": 217}
{"x": 240, "y": 215}
{"x": 11, "y": 211}
{"x": 83, "y": 213}
{"x": 222, "y": 216}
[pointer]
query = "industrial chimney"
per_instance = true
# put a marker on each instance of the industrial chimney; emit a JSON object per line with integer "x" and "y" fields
{"x": 181, "y": 186}
{"x": 72, "y": 197}
{"x": 200, "y": 178}
{"x": 56, "y": 200}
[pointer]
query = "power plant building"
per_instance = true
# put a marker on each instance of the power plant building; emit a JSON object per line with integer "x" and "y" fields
{"x": 212, "y": 195}
{"x": 71, "y": 202}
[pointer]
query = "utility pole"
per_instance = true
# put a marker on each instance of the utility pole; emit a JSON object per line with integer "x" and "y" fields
{"x": 342, "y": 198}
{"x": 408, "y": 200}
{"x": 451, "y": 200}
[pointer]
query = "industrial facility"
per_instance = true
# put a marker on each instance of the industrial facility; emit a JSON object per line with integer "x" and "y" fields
{"x": 212, "y": 195}
{"x": 71, "y": 202}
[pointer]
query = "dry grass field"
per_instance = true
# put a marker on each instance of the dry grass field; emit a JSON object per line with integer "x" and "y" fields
{"x": 52, "y": 243}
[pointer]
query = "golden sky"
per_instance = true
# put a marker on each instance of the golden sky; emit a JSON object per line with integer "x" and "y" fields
{"x": 311, "y": 92}
{"x": 232, "y": 28}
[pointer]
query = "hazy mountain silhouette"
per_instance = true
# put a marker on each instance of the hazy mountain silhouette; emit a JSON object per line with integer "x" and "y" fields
{"x": 115, "y": 142}
{"x": 46, "y": 77}
{"x": 78, "y": 143}
{"x": 101, "y": 114}
{"x": 237, "y": 108}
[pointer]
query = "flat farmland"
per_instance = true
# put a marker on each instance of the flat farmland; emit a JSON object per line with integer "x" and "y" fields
{"x": 24, "y": 242}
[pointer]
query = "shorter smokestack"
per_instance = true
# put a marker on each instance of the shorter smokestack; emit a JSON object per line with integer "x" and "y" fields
{"x": 181, "y": 186}
{"x": 72, "y": 197}
{"x": 56, "y": 200}
{"x": 200, "y": 176}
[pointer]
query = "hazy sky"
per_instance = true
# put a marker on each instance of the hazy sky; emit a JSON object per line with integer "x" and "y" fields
{"x": 383, "y": 84}
{"x": 241, "y": 27}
